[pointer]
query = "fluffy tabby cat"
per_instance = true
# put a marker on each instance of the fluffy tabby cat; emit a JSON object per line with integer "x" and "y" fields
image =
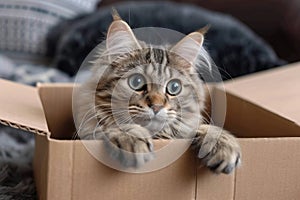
{"x": 149, "y": 92}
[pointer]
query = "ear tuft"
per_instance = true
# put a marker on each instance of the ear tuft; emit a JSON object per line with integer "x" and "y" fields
{"x": 195, "y": 37}
{"x": 204, "y": 30}
{"x": 120, "y": 38}
{"x": 115, "y": 14}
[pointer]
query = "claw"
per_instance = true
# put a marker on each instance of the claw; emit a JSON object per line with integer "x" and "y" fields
{"x": 238, "y": 160}
{"x": 216, "y": 165}
{"x": 228, "y": 169}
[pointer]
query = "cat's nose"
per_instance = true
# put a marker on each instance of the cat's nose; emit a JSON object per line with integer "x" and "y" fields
{"x": 156, "y": 108}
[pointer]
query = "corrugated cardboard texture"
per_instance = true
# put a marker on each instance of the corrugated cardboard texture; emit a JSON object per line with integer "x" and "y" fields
{"x": 276, "y": 90}
{"x": 270, "y": 169}
{"x": 21, "y": 107}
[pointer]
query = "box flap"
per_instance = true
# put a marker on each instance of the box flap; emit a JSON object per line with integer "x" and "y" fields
{"x": 21, "y": 107}
{"x": 56, "y": 99}
{"x": 276, "y": 90}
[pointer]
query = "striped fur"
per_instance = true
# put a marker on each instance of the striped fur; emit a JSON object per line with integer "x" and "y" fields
{"x": 110, "y": 110}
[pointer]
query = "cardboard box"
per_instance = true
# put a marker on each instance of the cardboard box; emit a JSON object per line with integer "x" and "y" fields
{"x": 262, "y": 109}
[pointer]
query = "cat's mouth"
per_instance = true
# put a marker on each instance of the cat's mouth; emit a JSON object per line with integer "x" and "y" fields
{"x": 156, "y": 124}
{"x": 153, "y": 123}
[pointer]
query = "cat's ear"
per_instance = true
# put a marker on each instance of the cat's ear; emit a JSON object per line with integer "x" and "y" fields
{"x": 120, "y": 38}
{"x": 189, "y": 47}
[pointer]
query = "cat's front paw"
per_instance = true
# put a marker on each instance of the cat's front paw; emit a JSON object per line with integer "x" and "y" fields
{"x": 225, "y": 154}
{"x": 132, "y": 147}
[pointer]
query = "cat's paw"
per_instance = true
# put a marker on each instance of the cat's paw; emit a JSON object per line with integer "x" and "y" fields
{"x": 224, "y": 154}
{"x": 132, "y": 147}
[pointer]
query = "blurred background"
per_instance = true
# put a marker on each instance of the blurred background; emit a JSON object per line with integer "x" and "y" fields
{"x": 47, "y": 41}
{"x": 277, "y": 21}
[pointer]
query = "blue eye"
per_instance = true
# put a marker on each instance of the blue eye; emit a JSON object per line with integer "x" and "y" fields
{"x": 174, "y": 87}
{"x": 137, "y": 82}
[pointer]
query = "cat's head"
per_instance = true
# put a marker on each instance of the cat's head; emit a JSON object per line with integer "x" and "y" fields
{"x": 156, "y": 87}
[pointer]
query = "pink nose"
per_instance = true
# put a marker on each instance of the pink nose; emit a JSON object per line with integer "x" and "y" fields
{"x": 156, "y": 108}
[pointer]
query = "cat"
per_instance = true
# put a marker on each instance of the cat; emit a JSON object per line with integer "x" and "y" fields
{"x": 148, "y": 92}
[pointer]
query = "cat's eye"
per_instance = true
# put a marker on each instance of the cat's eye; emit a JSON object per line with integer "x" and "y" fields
{"x": 137, "y": 82}
{"x": 174, "y": 87}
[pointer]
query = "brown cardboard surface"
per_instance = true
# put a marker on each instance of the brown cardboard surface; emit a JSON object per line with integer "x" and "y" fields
{"x": 246, "y": 119}
{"x": 92, "y": 179}
{"x": 21, "y": 107}
{"x": 270, "y": 169}
{"x": 57, "y": 103}
{"x": 40, "y": 164}
{"x": 60, "y": 169}
{"x": 262, "y": 105}
{"x": 214, "y": 187}
{"x": 276, "y": 90}
{"x": 72, "y": 173}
